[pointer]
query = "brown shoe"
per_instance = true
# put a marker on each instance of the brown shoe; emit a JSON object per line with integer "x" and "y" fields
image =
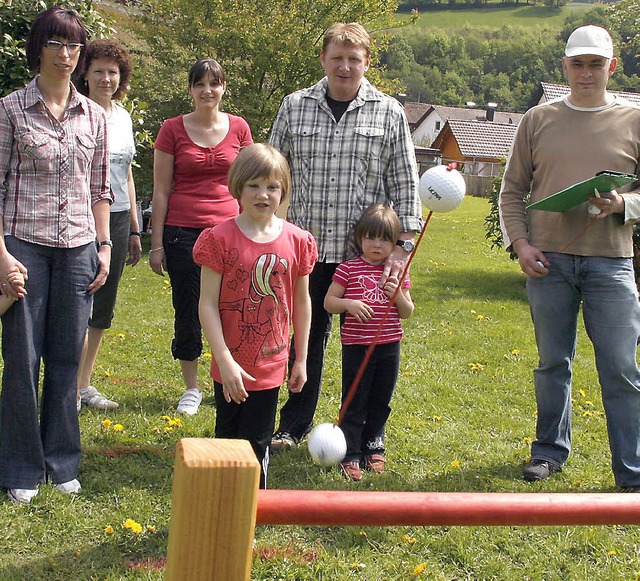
{"x": 351, "y": 470}
{"x": 375, "y": 463}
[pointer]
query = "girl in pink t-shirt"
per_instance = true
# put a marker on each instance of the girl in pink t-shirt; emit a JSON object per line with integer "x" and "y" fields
{"x": 355, "y": 293}
{"x": 254, "y": 286}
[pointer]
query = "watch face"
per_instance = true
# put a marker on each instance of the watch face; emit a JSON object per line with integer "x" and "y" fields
{"x": 406, "y": 245}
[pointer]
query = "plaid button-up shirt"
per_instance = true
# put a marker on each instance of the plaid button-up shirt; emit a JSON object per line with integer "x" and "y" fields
{"x": 52, "y": 172}
{"x": 339, "y": 169}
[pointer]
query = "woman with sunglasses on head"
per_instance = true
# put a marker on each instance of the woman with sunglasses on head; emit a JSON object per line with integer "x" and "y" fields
{"x": 193, "y": 154}
{"x": 106, "y": 77}
{"x": 54, "y": 203}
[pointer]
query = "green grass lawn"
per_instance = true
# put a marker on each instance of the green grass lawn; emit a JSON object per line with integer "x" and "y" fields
{"x": 463, "y": 418}
{"x": 497, "y": 17}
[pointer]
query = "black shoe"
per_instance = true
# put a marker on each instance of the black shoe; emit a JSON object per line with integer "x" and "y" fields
{"x": 630, "y": 488}
{"x": 283, "y": 441}
{"x": 539, "y": 469}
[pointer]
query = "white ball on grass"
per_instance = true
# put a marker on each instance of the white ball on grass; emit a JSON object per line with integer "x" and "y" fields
{"x": 442, "y": 188}
{"x": 327, "y": 444}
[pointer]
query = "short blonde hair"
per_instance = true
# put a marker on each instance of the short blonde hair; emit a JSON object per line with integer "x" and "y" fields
{"x": 351, "y": 34}
{"x": 377, "y": 221}
{"x": 259, "y": 160}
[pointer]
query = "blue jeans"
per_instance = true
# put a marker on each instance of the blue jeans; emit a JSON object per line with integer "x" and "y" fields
{"x": 48, "y": 326}
{"x": 606, "y": 287}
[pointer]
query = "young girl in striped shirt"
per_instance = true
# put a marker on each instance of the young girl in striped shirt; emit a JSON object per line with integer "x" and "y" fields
{"x": 355, "y": 294}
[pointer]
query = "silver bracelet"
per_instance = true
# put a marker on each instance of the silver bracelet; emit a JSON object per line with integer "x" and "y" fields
{"x": 156, "y": 249}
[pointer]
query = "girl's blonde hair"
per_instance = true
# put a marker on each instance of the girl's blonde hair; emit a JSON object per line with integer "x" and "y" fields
{"x": 259, "y": 160}
{"x": 377, "y": 221}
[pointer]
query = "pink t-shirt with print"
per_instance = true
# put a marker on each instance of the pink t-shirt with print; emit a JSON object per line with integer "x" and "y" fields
{"x": 256, "y": 295}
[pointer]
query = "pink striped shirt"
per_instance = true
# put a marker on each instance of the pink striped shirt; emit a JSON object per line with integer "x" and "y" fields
{"x": 52, "y": 172}
{"x": 360, "y": 281}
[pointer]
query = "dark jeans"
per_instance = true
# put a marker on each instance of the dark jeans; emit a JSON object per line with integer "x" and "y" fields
{"x": 184, "y": 274}
{"x": 252, "y": 420}
{"x": 48, "y": 325}
{"x": 296, "y": 416}
{"x": 104, "y": 300}
{"x": 366, "y": 417}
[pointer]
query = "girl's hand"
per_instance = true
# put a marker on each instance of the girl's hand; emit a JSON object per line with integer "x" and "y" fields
{"x": 361, "y": 311}
{"x": 233, "y": 378}
{"x": 157, "y": 261}
{"x": 135, "y": 250}
{"x": 297, "y": 376}
{"x": 390, "y": 286}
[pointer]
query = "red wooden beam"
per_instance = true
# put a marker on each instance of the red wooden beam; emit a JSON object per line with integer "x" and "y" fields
{"x": 353, "y": 508}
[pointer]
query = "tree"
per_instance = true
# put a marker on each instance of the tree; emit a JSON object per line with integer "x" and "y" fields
{"x": 268, "y": 49}
{"x": 625, "y": 17}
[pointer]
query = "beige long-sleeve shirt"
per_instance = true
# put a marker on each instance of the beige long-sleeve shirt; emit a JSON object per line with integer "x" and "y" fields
{"x": 556, "y": 146}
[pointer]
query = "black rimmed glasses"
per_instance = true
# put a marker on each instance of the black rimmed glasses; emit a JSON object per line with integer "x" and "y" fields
{"x": 72, "y": 47}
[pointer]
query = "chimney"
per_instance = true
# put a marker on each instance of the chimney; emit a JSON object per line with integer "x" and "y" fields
{"x": 491, "y": 111}
{"x": 402, "y": 98}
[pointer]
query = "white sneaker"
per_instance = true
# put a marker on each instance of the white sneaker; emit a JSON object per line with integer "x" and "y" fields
{"x": 91, "y": 397}
{"x": 71, "y": 487}
{"x": 190, "y": 402}
{"x": 22, "y": 495}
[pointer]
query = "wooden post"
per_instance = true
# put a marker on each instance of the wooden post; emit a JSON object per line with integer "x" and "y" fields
{"x": 213, "y": 510}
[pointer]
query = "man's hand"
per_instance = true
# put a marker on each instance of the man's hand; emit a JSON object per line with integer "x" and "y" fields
{"x": 532, "y": 260}
{"x": 394, "y": 265}
{"x": 608, "y": 203}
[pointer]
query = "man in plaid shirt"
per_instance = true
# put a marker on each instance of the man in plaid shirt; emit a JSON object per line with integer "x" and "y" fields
{"x": 348, "y": 146}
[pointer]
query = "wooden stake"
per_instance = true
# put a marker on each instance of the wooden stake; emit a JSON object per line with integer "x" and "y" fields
{"x": 213, "y": 510}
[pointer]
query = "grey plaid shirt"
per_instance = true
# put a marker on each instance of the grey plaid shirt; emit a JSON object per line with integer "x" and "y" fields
{"x": 339, "y": 169}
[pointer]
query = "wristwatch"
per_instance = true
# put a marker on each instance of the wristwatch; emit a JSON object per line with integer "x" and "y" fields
{"x": 106, "y": 243}
{"x": 406, "y": 245}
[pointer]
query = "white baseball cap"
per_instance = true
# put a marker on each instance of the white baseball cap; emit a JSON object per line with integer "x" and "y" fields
{"x": 589, "y": 40}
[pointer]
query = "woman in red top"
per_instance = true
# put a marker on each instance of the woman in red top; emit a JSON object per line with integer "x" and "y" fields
{"x": 193, "y": 153}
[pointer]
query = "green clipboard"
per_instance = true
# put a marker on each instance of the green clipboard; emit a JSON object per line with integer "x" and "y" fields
{"x": 603, "y": 181}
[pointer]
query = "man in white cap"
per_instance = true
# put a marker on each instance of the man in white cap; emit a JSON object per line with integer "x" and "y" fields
{"x": 580, "y": 256}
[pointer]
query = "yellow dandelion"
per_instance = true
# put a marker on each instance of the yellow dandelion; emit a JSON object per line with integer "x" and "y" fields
{"x": 121, "y": 335}
{"x": 586, "y": 414}
{"x": 527, "y": 440}
{"x": 136, "y": 528}
{"x": 177, "y": 422}
{"x": 588, "y": 402}
{"x": 473, "y": 311}
{"x": 515, "y": 351}
{"x": 362, "y": 534}
{"x": 107, "y": 373}
{"x": 358, "y": 566}
{"x": 408, "y": 373}
{"x": 480, "y": 318}
{"x": 165, "y": 281}
{"x": 166, "y": 418}
{"x": 419, "y": 569}
{"x": 410, "y": 540}
{"x": 612, "y": 553}
{"x": 455, "y": 463}
{"x": 151, "y": 528}
{"x": 583, "y": 393}
{"x": 436, "y": 418}
{"x": 168, "y": 429}
{"x": 207, "y": 355}
{"x": 106, "y": 423}
{"x": 132, "y": 526}
{"x": 108, "y": 529}
{"x": 118, "y": 428}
